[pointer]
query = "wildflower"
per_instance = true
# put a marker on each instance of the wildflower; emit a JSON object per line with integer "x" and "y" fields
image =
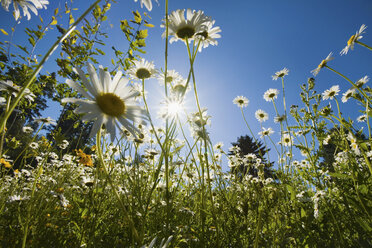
{"x": 250, "y": 156}
{"x": 369, "y": 154}
{"x": 15, "y": 89}
{"x": 287, "y": 140}
{"x": 208, "y": 36}
{"x": 241, "y": 101}
{"x": 142, "y": 70}
{"x": 85, "y": 159}
{"x": 266, "y": 132}
{"x": 326, "y": 140}
{"x": 280, "y": 118}
{"x": 46, "y": 121}
{"x": 235, "y": 149}
{"x": 347, "y": 95}
{"x": 331, "y": 93}
{"x": 34, "y": 145}
{"x": 280, "y": 74}
{"x": 27, "y": 129}
{"x": 8, "y": 86}
{"x": 362, "y": 81}
{"x": 261, "y": 115}
{"x": 271, "y": 94}
{"x": 350, "y": 43}
{"x": 18, "y": 198}
{"x": 217, "y": 157}
{"x": 5, "y": 163}
{"x": 185, "y": 29}
{"x": 322, "y": 64}
{"x": 87, "y": 181}
{"x": 147, "y": 3}
{"x": 218, "y": 146}
{"x": 172, "y": 77}
{"x": 362, "y": 118}
{"x": 109, "y": 101}
{"x": 151, "y": 153}
{"x": 64, "y": 144}
{"x": 33, "y": 5}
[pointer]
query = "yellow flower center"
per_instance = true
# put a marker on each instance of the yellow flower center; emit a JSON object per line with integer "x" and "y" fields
{"x": 322, "y": 64}
{"x": 111, "y": 104}
{"x": 351, "y": 40}
{"x": 185, "y": 32}
{"x": 143, "y": 73}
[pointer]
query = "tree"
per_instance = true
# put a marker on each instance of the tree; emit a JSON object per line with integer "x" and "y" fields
{"x": 247, "y": 145}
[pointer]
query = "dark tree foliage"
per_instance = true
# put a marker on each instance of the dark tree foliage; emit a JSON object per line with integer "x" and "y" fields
{"x": 248, "y": 145}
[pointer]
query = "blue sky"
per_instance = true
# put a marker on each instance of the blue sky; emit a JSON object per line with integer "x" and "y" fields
{"x": 259, "y": 37}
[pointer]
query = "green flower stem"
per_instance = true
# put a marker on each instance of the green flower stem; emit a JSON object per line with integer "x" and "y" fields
{"x": 268, "y": 157}
{"x": 281, "y": 132}
{"x": 28, "y": 82}
{"x": 362, "y": 44}
{"x": 4, "y": 125}
{"x": 286, "y": 119}
{"x": 250, "y": 130}
{"x": 347, "y": 79}
{"x": 113, "y": 187}
{"x": 192, "y": 58}
{"x": 339, "y": 116}
{"x": 368, "y": 124}
{"x": 272, "y": 142}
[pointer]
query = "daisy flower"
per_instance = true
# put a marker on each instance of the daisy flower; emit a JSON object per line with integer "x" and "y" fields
{"x": 27, "y": 129}
{"x": 147, "y": 3}
{"x": 322, "y": 64}
{"x": 33, "y": 5}
{"x": 280, "y": 74}
{"x": 34, "y": 145}
{"x": 142, "y": 70}
{"x": 172, "y": 77}
{"x": 109, "y": 101}
{"x": 287, "y": 140}
{"x": 218, "y": 146}
{"x": 362, "y": 118}
{"x": 347, "y": 95}
{"x": 8, "y": 86}
{"x": 331, "y": 93}
{"x": 271, "y": 94}
{"x": 279, "y": 118}
{"x": 208, "y": 36}
{"x": 362, "y": 81}
{"x": 266, "y": 132}
{"x": 241, "y": 101}
{"x": 350, "y": 43}
{"x": 181, "y": 28}
{"x": 179, "y": 89}
{"x": 261, "y": 115}
{"x": 46, "y": 121}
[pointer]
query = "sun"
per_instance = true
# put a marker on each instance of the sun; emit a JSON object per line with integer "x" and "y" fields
{"x": 174, "y": 108}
